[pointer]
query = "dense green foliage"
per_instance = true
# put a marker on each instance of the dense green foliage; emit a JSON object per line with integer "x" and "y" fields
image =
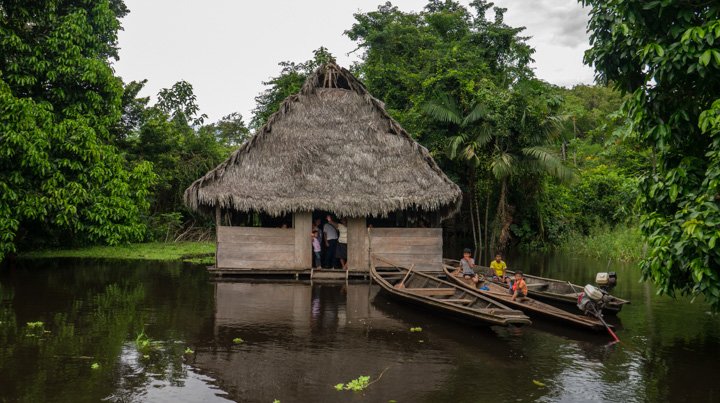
{"x": 666, "y": 55}
{"x": 291, "y": 79}
{"x": 60, "y": 178}
{"x": 461, "y": 84}
{"x": 85, "y": 160}
{"x": 170, "y": 135}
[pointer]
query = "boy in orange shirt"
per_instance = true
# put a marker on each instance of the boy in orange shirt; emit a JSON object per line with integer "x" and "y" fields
{"x": 519, "y": 289}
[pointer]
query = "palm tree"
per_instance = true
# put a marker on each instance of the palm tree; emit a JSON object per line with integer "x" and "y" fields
{"x": 477, "y": 138}
{"x": 509, "y": 158}
{"x": 465, "y": 145}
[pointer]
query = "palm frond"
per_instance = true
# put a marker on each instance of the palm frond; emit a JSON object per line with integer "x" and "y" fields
{"x": 503, "y": 165}
{"x": 484, "y": 135}
{"x": 453, "y": 144}
{"x": 443, "y": 110}
{"x": 546, "y": 160}
{"x": 478, "y": 112}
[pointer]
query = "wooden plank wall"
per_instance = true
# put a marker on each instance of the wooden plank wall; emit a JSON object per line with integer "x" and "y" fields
{"x": 405, "y": 246}
{"x": 302, "y": 225}
{"x": 255, "y": 248}
{"x": 357, "y": 249}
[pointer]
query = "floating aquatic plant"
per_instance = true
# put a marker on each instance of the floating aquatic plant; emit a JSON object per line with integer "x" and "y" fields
{"x": 356, "y": 385}
{"x": 144, "y": 343}
{"x": 238, "y": 340}
{"x": 416, "y": 329}
{"x": 188, "y": 351}
{"x": 95, "y": 366}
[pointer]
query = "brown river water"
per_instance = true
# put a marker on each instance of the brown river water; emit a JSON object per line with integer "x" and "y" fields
{"x": 164, "y": 332}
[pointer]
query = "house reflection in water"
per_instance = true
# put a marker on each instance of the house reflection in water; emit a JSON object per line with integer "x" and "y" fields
{"x": 299, "y": 340}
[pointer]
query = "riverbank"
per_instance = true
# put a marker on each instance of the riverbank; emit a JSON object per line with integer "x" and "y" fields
{"x": 197, "y": 252}
{"x": 620, "y": 244}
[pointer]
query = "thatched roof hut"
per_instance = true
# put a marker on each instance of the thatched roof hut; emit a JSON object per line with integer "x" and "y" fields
{"x": 331, "y": 147}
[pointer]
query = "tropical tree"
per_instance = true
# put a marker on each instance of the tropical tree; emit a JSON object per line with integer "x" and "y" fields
{"x": 60, "y": 176}
{"x": 665, "y": 55}
{"x": 289, "y": 82}
{"x": 472, "y": 133}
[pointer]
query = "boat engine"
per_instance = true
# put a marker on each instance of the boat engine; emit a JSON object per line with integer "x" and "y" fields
{"x": 593, "y": 300}
{"x": 607, "y": 280}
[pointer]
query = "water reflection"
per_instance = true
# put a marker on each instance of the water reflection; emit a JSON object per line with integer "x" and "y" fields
{"x": 301, "y": 339}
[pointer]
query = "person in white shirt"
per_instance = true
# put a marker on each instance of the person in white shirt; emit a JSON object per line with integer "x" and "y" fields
{"x": 330, "y": 235}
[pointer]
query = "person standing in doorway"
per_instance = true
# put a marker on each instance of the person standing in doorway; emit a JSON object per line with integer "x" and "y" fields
{"x": 316, "y": 227}
{"x": 330, "y": 235}
{"x": 341, "y": 251}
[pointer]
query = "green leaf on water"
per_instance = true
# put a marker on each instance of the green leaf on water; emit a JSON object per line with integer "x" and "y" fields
{"x": 95, "y": 366}
{"x": 538, "y": 383}
{"x": 237, "y": 340}
{"x": 188, "y": 351}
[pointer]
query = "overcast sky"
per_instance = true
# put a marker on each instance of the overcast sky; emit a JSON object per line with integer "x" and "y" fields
{"x": 227, "y": 48}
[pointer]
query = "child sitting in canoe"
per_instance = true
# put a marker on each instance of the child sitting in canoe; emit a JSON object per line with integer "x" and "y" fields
{"x": 498, "y": 266}
{"x": 466, "y": 265}
{"x": 519, "y": 288}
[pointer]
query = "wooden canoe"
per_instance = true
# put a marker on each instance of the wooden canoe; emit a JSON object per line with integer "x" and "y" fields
{"x": 549, "y": 289}
{"x": 530, "y": 306}
{"x": 427, "y": 291}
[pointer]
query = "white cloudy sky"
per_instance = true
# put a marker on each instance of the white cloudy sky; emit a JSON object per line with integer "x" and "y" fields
{"x": 227, "y": 48}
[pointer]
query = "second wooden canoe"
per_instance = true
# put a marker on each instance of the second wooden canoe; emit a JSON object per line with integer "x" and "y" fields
{"x": 549, "y": 289}
{"x": 530, "y": 306}
{"x": 427, "y": 291}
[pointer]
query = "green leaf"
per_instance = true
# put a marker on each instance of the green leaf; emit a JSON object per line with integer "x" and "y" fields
{"x": 705, "y": 58}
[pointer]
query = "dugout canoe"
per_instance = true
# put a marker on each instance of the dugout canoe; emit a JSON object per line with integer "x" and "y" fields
{"x": 428, "y": 291}
{"x": 530, "y": 306}
{"x": 549, "y": 289}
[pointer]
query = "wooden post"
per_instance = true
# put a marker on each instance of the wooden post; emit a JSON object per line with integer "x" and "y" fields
{"x": 217, "y": 231}
{"x": 302, "y": 226}
{"x": 357, "y": 246}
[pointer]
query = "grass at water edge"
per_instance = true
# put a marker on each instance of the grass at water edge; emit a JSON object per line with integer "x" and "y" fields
{"x": 190, "y": 251}
{"x": 622, "y": 244}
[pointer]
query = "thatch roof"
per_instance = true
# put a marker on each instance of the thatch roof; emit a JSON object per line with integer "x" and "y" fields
{"x": 330, "y": 147}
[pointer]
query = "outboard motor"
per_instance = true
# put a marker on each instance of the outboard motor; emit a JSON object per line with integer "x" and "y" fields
{"x": 592, "y": 301}
{"x": 607, "y": 280}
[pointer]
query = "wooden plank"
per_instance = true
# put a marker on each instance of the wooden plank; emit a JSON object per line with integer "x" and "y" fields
{"x": 302, "y": 226}
{"x": 432, "y": 291}
{"x": 412, "y": 258}
{"x": 288, "y": 239}
{"x": 357, "y": 250}
{"x": 244, "y": 255}
{"x": 458, "y": 301}
{"x": 405, "y": 232}
{"x": 254, "y": 264}
{"x": 257, "y": 247}
{"x": 256, "y": 231}
{"x": 410, "y": 241}
{"x": 392, "y": 248}
{"x": 285, "y": 236}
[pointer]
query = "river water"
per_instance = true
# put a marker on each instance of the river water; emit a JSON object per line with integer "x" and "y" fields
{"x": 167, "y": 332}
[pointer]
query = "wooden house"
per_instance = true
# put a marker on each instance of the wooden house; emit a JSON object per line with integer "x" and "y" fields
{"x": 333, "y": 148}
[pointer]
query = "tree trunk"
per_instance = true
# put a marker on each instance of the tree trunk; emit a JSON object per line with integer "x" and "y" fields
{"x": 502, "y": 215}
{"x": 487, "y": 208}
{"x": 479, "y": 228}
{"x": 472, "y": 224}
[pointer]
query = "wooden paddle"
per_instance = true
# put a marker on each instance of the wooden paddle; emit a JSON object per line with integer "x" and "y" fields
{"x": 402, "y": 283}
